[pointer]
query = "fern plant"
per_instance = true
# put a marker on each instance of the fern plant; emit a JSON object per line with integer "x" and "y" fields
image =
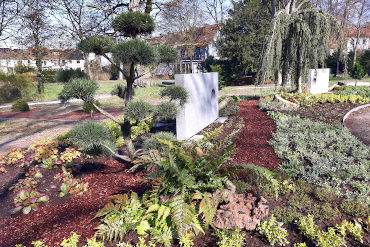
{"x": 123, "y": 214}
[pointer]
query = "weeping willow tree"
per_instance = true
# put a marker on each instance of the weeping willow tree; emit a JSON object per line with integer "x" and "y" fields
{"x": 299, "y": 39}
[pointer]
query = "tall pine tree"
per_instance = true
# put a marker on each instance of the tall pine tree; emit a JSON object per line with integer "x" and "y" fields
{"x": 242, "y": 37}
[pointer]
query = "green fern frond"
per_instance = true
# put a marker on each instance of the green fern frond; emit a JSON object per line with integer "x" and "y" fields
{"x": 110, "y": 230}
{"x": 183, "y": 216}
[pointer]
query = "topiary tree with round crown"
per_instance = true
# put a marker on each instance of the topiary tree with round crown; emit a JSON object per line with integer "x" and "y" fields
{"x": 131, "y": 53}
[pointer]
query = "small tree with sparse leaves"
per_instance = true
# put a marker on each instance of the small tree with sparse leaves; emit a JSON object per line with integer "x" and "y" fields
{"x": 130, "y": 53}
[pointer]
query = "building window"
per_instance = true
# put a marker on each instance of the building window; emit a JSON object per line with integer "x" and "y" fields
{"x": 28, "y": 61}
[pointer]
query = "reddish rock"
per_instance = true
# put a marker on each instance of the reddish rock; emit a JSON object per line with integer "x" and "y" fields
{"x": 244, "y": 212}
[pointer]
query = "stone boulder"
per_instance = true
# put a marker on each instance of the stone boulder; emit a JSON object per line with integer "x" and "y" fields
{"x": 244, "y": 212}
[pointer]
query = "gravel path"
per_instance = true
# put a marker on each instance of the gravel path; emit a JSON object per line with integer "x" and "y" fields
{"x": 359, "y": 124}
{"x": 23, "y": 140}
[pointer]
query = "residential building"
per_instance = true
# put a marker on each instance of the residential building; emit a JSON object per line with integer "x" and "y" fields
{"x": 363, "y": 40}
{"x": 51, "y": 59}
{"x": 201, "y": 42}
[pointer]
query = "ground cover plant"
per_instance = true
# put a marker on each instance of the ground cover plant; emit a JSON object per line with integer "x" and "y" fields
{"x": 183, "y": 188}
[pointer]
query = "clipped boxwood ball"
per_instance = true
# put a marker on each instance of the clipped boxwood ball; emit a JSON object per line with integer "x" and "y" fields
{"x": 20, "y": 105}
{"x": 131, "y": 24}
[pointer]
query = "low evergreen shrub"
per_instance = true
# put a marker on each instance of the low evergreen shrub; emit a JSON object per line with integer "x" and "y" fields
{"x": 152, "y": 142}
{"x": 20, "y": 105}
{"x": 66, "y": 75}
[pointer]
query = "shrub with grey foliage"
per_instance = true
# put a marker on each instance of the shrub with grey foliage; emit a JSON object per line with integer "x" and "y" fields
{"x": 327, "y": 155}
{"x": 91, "y": 137}
{"x": 83, "y": 89}
{"x": 166, "y": 111}
{"x": 175, "y": 92}
{"x": 138, "y": 110}
{"x": 153, "y": 143}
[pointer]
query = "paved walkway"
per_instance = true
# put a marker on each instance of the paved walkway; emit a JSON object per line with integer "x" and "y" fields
{"x": 358, "y": 123}
{"x": 54, "y": 102}
{"x": 33, "y": 130}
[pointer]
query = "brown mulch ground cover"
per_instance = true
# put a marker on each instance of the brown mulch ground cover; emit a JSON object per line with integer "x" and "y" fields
{"x": 327, "y": 112}
{"x": 58, "y": 218}
{"x": 252, "y": 144}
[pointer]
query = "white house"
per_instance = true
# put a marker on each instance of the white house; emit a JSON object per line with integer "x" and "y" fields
{"x": 201, "y": 40}
{"x": 51, "y": 59}
{"x": 363, "y": 40}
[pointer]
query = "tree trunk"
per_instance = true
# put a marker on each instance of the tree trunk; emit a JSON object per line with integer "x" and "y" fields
{"x": 130, "y": 83}
{"x": 87, "y": 65}
{"x": 126, "y": 132}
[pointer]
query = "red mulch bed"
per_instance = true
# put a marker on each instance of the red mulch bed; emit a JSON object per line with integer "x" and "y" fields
{"x": 72, "y": 116}
{"x": 56, "y": 220}
{"x": 252, "y": 144}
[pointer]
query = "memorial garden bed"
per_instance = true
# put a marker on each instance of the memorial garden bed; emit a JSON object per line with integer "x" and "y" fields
{"x": 291, "y": 196}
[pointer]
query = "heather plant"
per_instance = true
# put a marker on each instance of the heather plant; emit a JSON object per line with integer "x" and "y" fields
{"x": 69, "y": 155}
{"x": 273, "y": 231}
{"x": 363, "y": 91}
{"x": 307, "y": 226}
{"x": 310, "y": 100}
{"x": 230, "y": 238}
{"x": 355, "y": 208}
{"x": 329, "y": 238}
{"x": 300, "y": 245}
{"x": 72, "y": 241}
{"x": 354, "y": 230}
{"x": 319, "y": 153}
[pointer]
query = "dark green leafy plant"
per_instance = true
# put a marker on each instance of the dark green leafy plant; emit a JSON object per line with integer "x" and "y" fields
{"x": 355, "y": 208}
{"x": 13, "y": 87}
{"x": 138, "y": 110}
{"x": 167, "y": 54}
{"x": 357, "y": 72}
{"x": 132, "y": 24}
{"x": 80, "y": 89}
{"x": 175, "y": 92}
{"x": 66, "y": 75}
{"x": 20, "y": 105}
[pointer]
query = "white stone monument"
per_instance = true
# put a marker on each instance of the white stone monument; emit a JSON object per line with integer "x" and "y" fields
{"x": 202, "y": 106}
{"x": 318, "y": 81}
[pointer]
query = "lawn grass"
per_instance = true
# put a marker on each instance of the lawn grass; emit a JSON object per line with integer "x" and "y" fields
{"x": 335, "y": 80}
{"x": 53, "y": 89}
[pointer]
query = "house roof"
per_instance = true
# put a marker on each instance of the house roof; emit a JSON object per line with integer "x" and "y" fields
{"x": 202, "y": 36}
{"x": 364, "y": 33}
{"x": 29, "y": 54}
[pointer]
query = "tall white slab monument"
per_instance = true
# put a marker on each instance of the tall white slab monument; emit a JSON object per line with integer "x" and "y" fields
{"x": 318, "y": 81}
{"x": 202, "y": 106}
